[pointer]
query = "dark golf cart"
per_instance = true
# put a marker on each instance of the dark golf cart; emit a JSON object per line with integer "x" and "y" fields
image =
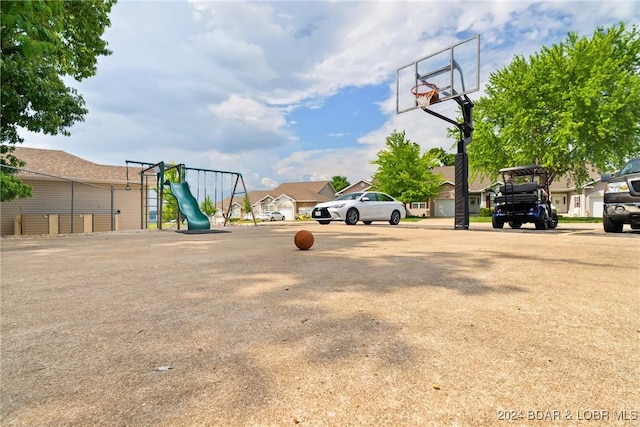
{"x": 524, "y": 197}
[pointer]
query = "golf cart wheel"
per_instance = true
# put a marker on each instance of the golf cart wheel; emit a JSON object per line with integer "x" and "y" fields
{"x": 497, "y": 223}
{"x": 553, "y": 223}
{"x": 542, "y": 223}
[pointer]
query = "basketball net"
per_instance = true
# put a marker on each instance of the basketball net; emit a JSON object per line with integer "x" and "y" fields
{"x": 424, "y": 98}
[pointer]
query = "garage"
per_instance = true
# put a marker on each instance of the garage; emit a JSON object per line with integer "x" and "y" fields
{"x": 444, "y": 208}
{"x": 595, "y": 206}
{"x": 287, "y": 212}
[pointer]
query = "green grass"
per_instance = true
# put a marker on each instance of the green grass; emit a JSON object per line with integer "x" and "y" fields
{"x": 561, "y": 219}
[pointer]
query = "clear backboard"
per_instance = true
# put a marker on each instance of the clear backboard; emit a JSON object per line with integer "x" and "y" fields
{"x": 454, "y": 71}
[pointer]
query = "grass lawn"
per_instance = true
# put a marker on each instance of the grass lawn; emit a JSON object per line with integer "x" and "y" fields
{"x": 561, "y": 219}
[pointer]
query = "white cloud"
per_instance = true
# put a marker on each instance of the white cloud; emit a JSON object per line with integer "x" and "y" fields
{"x": 250, "y": 112}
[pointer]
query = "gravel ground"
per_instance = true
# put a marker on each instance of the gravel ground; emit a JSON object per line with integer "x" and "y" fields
{"x": 417, "y": 325}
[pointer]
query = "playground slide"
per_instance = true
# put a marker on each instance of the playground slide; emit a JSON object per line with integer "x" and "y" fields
{"x": 188, "y": 205}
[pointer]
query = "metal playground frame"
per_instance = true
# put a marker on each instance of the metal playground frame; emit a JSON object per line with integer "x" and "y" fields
{"x": 153, "y": 182}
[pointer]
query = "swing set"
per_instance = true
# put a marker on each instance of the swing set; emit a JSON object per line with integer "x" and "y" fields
{"x": 154, "y": 179}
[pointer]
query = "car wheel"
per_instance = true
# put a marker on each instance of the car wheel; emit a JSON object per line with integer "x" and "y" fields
{"x": 515, "y": 224}
{"x": 367, "y": 222}
{"x": 324, "y": 222}
{"x": 611, "y": 226}
{"x": 395, "y": 218}
{"x": 352, "y": 216}
{"x": 272, "y": 219}
{"x": 497, "y": 223}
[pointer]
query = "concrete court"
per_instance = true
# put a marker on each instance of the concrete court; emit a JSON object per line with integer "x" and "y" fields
{"x": 417, "y": 325}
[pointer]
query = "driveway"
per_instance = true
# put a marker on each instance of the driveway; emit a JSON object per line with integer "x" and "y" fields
{"x": 417, "y": 324}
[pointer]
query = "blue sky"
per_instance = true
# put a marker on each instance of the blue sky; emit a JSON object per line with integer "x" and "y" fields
{"x": 288, "y": 91}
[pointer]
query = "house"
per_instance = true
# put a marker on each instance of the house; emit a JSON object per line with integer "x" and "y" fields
{"x": 70, "y": 194}
{"x": 292, "y": 199}
{"x": 566, "y": 197}
{"x": 361, "y": 185}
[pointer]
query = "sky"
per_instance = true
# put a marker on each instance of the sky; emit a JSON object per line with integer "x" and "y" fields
{"x": 289, "y": 91}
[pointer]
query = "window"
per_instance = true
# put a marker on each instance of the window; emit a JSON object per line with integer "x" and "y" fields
{"x": 418, "y": 205}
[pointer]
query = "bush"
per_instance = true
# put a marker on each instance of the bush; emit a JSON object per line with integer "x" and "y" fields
{"x": 485, "y": 212}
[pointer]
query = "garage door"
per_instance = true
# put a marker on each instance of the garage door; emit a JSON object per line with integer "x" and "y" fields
{"x": 595, "y": 206}
{"x": 287, "y": 212}
{"x": 444, "y": 207}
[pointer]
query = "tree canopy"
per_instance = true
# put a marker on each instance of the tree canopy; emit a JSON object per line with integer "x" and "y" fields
{"x": 444, "y": 158}
{"x": 403, "y": 172}
{"x": 43, "y": 42}
{"x": 339, "y": 182}
{"x": 573, "y": 104}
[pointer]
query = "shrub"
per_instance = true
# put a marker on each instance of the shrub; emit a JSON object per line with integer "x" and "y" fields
{"x": 486, "y": 212}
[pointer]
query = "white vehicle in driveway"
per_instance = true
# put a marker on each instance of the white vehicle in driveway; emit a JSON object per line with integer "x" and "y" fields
{"x": 366, "y": 207}
{"x": 271, "y": 216}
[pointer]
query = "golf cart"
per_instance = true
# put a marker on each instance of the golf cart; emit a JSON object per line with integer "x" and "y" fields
{"x": 524, "y": 197}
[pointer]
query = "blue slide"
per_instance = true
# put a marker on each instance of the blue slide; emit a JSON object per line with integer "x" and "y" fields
{"x": 188, "y": 206}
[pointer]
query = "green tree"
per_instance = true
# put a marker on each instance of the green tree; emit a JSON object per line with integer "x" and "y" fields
{"x": 444, "y": 158}
{"x": 43, "y": 42}
{"x": 339, "y": 182}
{"x": 573, "y": 104}
{"x": 11, "y": 187}
{"x": 170, "y": 203}
{"x": 246, "y": 204}
{"x": 404, "y": 173}
{"x": 207, "y": 206}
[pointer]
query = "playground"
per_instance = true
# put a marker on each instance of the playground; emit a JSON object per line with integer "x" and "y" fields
{"x": 374, "y": 325}
{"x": 160, "y": 181}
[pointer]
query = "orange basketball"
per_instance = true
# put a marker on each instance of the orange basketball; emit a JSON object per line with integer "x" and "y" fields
{"x": 303, "y": 239}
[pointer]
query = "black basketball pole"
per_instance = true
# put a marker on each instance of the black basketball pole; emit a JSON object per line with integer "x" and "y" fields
{"x": 462, "y": 160}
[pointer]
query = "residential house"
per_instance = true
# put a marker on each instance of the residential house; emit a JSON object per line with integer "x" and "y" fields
{"x": 292, "y": 199}
{"x": 566, "y": 197}
{"x": 70, "y": 194}
{"x": 361, "y": 185}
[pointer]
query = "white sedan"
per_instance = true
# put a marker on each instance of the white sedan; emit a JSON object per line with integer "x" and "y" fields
{"x": 366, "y": 207}
{"x": 271, "y": 216}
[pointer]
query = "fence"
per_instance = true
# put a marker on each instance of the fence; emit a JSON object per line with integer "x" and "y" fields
{"x": 60, "y": 205}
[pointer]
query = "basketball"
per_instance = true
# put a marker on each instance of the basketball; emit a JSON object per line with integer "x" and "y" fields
{"x": 303, "y": 240}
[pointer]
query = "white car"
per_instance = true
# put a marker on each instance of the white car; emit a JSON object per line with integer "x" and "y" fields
{"x": 271, "y": 216}
{"x": 366, "y": 207}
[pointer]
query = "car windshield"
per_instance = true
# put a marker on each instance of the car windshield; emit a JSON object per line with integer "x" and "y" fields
{"x": 350, "y": 196}
{"x": 632, "y": 167}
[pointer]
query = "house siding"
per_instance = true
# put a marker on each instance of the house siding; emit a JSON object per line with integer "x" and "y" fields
{"x": 54, "y": 197}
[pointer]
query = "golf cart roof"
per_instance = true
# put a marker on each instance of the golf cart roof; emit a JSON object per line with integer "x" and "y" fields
{"x": 524, "y": 170}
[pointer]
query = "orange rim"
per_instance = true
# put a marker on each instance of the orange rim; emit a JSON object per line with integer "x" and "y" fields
{"x": 431, "y": 93}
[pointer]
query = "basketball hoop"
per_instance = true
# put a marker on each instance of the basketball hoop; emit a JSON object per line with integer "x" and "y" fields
{"x": 425, "y": 93}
